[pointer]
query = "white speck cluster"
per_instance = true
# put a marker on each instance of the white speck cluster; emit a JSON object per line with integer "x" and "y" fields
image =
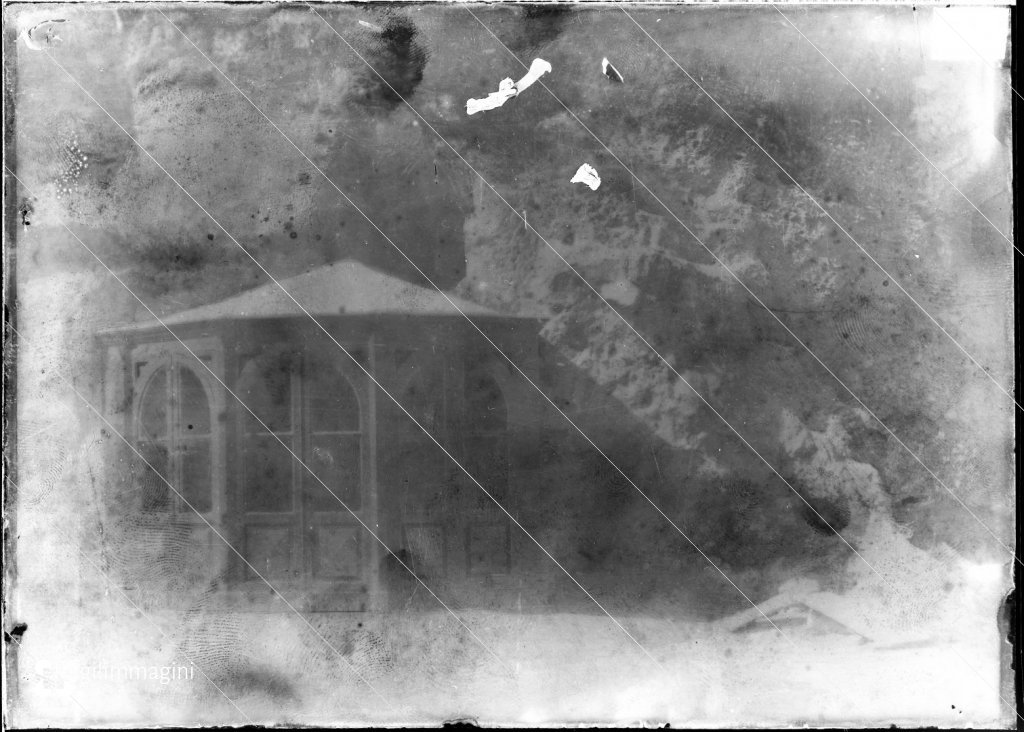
{"x": 71, "y": 163}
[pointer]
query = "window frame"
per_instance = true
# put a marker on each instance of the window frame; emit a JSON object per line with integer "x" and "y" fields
{"x": 293, "y": 438}
{"x": 307, "y": 435}
{"x": 145, "y": 361}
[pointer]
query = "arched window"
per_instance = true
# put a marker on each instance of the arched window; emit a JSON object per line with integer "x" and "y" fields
{"x": 174, "y": 422}
{"x": 334, "y": 441}
{"x": 316, "y": 414}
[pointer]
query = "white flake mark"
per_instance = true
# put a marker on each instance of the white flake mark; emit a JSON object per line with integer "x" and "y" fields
{"x": 51, "y": 37}
{"x": 621, "y": 291}
{"x": 538, "y": 68}
{"x": 508, "y": 88}
{"x": 588, "y": 176}
{"x": 610, "y": 71}
{"x": 371, "y": 26}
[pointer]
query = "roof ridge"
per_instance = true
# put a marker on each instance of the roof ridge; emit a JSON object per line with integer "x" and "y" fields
{"x": 342, "y": 287}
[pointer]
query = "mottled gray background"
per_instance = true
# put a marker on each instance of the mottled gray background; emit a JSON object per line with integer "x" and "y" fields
{"x": 904, "y": 631}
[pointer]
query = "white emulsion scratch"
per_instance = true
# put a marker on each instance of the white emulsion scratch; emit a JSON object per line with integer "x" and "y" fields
{"x": 508, "y": 88}
{"x": 588, "y": 176}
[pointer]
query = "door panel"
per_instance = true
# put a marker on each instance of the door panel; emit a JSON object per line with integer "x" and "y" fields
{"x": 338, "y": 553}
{"x": 451, "y": 531}
{"x": 269, "y": 548}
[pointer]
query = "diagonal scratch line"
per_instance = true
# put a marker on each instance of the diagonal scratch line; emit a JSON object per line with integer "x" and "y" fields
{"x": 787, "y": 328}
{"x": 281, "y": 442}
{"x": 604, "y": 300}
{"x": 206, "y": 521}
{"x": 477, "y": 328}
{"x": 110, "y": 583}
{"x": 893, "y": 125}
{"x": 723, "y": 264}
{"x": 773, "y": 314}
{"x": 641, "y": 337}
{"x": 827, "y": 214}
{"x": 527, "y": 225}
{"x": 361, "y": 367}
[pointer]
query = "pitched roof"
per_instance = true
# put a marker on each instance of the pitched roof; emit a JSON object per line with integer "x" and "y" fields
{"x": 341, "y": 288}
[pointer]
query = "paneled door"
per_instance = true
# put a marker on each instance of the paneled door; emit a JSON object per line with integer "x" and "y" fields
{"x": 452, "y": 533}
{"x": 305, "y": 477}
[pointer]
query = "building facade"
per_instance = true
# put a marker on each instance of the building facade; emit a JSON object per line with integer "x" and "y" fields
{"x": 324, "y": 437}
